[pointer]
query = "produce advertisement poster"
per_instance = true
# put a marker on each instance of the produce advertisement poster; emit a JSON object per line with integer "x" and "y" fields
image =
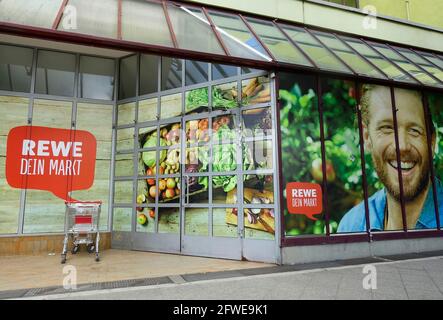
{"x": 55, "y": 160}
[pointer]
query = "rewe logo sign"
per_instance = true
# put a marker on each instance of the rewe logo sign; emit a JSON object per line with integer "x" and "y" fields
{"x": 304, "y": 198}
{"x": 56, "y": 160}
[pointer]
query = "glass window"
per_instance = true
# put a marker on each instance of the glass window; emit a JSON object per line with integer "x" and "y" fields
{"x": 171, "y": 106}
{"x": 346, "y": 54}
{"x": 169, "y": 220}
{"x": 55, "y": 73}
{"x": 148, "y": 73}
{"x": 259, "y": 223}
{"x": 196, "y": 72}
{"x": 300, "y": 146}
{"x": 386, "y": 66}
{"x": 125, "y": 139}
{"x": 87, "y": 115}
{"x": 44, "y": 212}
{"x": 405, "y": 64}
{"x": 193, "y": 30}
{"x": 144, "y": 21}
{"x": 429, "y": 67}
{"x": 128, "y": 77}
{"x": 122, "y": 219}
{"x": 343, "y": 157}
{"x": 126, "y": 113}
{"x": 37, "y": 13}
{"x": 224, "y": 222}
{"x": 171, "y": 73}
{"x": 221, "y": 71}
{"x": 322, "y": 57}
{"x": 97, "y": 18}
{"x": 124, "y": 165}
{"x": 277, "y": 43}
{"x": 196, "y": 222}
{"x": 123, "y": 192}
{"x": 147, "y": 110}
{"x": 13, "y": 113}
{"x": 15, "y": 68}
{"x": 237, "y": 37}
{"x": 96, "y": 78}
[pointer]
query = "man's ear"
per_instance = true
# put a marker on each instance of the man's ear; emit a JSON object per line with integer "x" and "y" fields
{"x": 366, "y": 139}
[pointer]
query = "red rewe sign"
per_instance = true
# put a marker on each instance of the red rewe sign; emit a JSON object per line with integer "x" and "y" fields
{"x": 56, "y": 160}
{"x": 304, "y": 198}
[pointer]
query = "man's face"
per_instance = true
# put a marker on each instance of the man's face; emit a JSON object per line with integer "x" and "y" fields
{"x": 379, "y": 139}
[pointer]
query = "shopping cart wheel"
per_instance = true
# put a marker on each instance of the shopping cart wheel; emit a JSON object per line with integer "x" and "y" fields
{"x": 75, "y": 249}
{"x": 63, "y": 258}
{"x": 91, "y": 248}
{"x": 97, "y": 258}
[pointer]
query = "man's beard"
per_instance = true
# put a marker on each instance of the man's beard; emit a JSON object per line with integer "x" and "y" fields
{"x": 410, "y": 192}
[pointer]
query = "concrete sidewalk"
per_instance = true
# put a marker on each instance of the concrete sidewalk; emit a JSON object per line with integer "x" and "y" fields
{"x": 406, "y": 279}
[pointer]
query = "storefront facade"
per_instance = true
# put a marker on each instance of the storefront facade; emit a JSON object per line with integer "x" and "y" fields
{"x": 230, "y": 136}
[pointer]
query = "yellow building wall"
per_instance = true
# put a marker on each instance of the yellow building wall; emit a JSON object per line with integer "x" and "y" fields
{"x": 428, "y": 12}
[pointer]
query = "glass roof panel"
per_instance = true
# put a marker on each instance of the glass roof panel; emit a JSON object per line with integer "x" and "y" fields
{"x": 237, "y": 37}
{"x": 277, "y": 43}
{"x": 346, "y": 54}
{"x": 403, "y": 63}
{"x": 322, "y": 57}
{"x": 36, "y": 13}
{"x": 193, "y": 31}
{"x": 425, "y": 64}
{"x": 144, "y": 21}
{"x": 96, "y": 18}
{"x": 386, "y": 66}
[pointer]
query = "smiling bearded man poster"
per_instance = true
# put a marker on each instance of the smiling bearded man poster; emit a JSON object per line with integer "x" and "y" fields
{"x": 385, "y": 212}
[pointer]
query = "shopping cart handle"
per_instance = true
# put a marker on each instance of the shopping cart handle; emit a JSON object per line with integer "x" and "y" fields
{"x": 85, "y": 202}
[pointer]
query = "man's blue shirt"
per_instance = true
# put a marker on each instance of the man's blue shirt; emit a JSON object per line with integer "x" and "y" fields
{"x": 354, "y": 220}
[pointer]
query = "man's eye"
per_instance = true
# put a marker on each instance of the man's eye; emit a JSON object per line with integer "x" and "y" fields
{"x": 415, "y": 132}
{"x": 386, "y": 129}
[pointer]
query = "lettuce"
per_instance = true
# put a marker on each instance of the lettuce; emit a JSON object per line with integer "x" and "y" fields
{"x": 150, "y": 156}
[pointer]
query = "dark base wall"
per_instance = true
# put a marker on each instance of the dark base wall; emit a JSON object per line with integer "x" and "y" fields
{"x": 41, "y": 244}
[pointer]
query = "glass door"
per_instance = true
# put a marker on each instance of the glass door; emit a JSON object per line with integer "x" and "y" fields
{"x": 209, "y": 204}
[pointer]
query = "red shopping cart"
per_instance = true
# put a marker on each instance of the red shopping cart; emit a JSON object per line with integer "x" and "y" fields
{"x": 82, "y": 225}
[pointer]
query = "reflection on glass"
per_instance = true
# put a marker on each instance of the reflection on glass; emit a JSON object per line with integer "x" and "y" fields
{"x": 55, "y": 73}
{"x": 259, "y": 223}
{"x": 197, "y": 98}
{"x": 237, "y": 37}
{"x": 96, "y": 78}
{"x": 222, "y": 71}
{"x": 146, "y": 190}
{"x": 196, "y": 222}
{"x": 300, "y": 144}
{"x": 257, "y": 122}
{"x": 52, "y": 113}
{"x": 197, "y": 159}
{"x": 37, "y": 13}
{"x": 197, "y": 131}
{"x": 255, "y": 91}
{"x": 258, "y": 189}
{"x": 144, "y": 21}
{"x": 122, "y": 219}
{"x": 224, "y": 189}
{"x": 97, "y": 18}
{"x": 125, "y": 139}
{"x": 126, "y": 113}
{"x": 148, "y": 73}
{"x": 343, "y": 161}
{"x": 196, "y": 190}
{"x": 123, "y": 191}
{"x": 169, "y": 220}
{"x": 425, "y": 64}
{"x": 259, "y": 153}
{"x": 124, "y": 165}
{"x": 277, "y": 43}
{"x": 196, "y": 72}
{"x": 145, "y": 220}
{"x": 171, "y": 73}
{"x": 15, "y": 68}
{"x": 171, "y": 106}
{"x": 193, "y": 30}
{"x": 128, "y": 77}
{"x": 224, "y": 222}
{"x": 322, "y": 57}
{"x": 147, "y": 110}
{"x": 224, "y": 96}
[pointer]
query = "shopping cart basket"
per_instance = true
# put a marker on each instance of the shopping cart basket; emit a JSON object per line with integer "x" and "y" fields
{"x": 82, "y": 225}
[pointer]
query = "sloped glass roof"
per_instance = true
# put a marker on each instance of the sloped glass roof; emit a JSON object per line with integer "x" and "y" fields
{"x": 172, "y": 25}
